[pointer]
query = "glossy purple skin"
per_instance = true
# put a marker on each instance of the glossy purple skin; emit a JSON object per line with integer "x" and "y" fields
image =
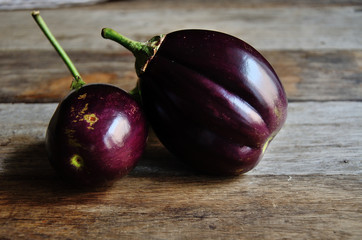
{"x": 213, "y": 100}
{"x": 96, "y": 135}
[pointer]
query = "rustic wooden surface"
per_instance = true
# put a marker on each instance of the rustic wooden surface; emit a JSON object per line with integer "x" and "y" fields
{"x": 308, "y": 185}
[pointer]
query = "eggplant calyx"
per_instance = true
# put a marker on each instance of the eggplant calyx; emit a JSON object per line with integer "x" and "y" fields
{"x": 77, "y": 83}
{"x": 143, "y": 51}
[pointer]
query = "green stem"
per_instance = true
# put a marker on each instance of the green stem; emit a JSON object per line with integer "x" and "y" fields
{"x": 133, "y": 46}
{"x": 142, "y": 51}
{"x": 77, "y": 81}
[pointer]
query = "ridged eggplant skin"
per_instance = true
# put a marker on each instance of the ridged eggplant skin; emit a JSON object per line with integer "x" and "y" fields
{"x": 213, "y": 100}
{"x": 96, "y": 135}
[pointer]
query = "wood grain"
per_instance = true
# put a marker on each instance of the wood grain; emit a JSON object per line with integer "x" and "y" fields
{"x": 25, "y": 4}
{"x": 318, "y": 138}
{"x": 321, "y": 75}
{"x": 307, "y": 186}
{"x": 250, "y": 207}
{"x": 44, "y": 77}
{"x": 295, "y": 27}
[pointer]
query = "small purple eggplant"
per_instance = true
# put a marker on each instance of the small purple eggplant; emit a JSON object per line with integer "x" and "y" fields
{"x": 213, "y": 100}
{"x": 98, "y": 131}
{"x": 96, "y": 135}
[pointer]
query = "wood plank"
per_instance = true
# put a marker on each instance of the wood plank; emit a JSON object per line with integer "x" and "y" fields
{"x": 280, "y": 27}
{"x": 318, "y": 138}
{"x": 319, "y": 75}
{"x": 40, "y": 76}
{"x": 25, "y": 4}
{"x": 231, "y": 3}
{"x": 249, "y": 207}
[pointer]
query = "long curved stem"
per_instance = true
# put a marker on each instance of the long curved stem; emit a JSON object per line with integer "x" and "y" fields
{"x": 77, "y": 82}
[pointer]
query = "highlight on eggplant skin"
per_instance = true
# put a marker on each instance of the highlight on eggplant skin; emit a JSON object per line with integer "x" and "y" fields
{"x": 213, "y": 100}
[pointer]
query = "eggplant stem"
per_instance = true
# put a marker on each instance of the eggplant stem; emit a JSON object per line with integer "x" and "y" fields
{"x": 133, "y": 46}
{"x": 77, "y": 81}
{"x": 142, "y": 51}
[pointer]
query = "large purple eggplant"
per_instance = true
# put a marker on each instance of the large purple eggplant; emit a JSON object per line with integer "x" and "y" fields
{"x": 213, "y": 100}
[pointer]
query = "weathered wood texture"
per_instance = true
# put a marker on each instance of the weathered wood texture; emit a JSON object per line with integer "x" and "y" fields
{"x": 316, "y": 56}
{"x": 278, "y": 27}
{"x": 307, "y": 75}
{"x": 262, "y": 207}
{"x": 26, "y": 4}
{"x": 307, "y": 186}
{"x": 318, "y": 138}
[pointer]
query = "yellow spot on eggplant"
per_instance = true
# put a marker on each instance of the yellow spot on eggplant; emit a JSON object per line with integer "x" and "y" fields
{"x": 266, "y": 144}
{"x": 77, "y": 161}
{"x": 82, "y": 112}
{"x": 91, "y": 119}
{"x": 83, "y": 96}
{"x": 84, "y": 109}
{"x": 277, "y": 112}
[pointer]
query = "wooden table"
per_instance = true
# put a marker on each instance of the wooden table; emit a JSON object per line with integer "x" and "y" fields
{"x": 308, "y": 185}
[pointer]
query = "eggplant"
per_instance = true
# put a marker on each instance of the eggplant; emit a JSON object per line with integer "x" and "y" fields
{"x": 98, "y": 131}
{"x": 96, "y": 135}
{"x": 212, "y": 99}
